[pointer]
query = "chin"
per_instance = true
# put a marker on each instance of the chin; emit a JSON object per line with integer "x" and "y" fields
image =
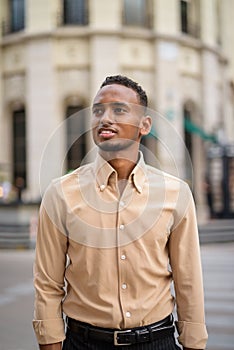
{"x": 118, "y": 146}
{"x": 110, "y": 146}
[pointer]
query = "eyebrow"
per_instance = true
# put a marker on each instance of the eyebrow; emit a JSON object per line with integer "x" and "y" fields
{"x": 120, "y": 104}
{"x": 97, "y": 105}
{"x": 115, "y": 104}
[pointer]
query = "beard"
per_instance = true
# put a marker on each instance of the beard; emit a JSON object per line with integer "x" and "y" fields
{"x": 115, "y": 145}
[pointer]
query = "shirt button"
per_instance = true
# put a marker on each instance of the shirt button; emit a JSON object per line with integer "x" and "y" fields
{"x": 124, "y": 286}
{"x": 128, "y": 314}
{"x": 102, "y": 187}
{"x": 123, "y": 257}
{"x": 121, "y": 203}
{"x": 121, "y": 227}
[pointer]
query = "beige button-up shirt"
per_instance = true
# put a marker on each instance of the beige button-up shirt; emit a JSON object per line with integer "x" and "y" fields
{"x": 118, "y": 254}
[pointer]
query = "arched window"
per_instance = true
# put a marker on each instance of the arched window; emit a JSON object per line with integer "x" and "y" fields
{"x": 19, "y": 149}
{"x": 75, "y": 12}
{"x": 76, "y": 137}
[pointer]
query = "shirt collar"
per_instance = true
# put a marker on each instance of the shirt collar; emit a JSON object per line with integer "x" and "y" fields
{"x": 103, "y": 170}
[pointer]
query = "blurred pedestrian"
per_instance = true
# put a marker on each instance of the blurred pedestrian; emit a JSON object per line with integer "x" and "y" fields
{"x": 20, "y": 185}
{"x": 118, "y": 232}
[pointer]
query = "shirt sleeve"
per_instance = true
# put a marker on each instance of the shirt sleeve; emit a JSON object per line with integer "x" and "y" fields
{"x": 49, "y": 269}
{"x": 184, "y": 251}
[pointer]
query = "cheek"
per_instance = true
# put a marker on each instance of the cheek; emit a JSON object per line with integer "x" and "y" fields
{"x": 132, "y": 132}
{"x": 93, "y": 127}
{"x": 94, "y": 123}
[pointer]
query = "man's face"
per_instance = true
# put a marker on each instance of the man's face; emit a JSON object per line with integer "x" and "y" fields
{"x": 116, "y": 118}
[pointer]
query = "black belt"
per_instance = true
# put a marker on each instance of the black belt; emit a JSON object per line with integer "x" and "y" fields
{"x": 158, "y": 330}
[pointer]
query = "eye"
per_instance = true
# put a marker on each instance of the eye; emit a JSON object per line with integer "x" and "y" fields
{"x": 120, "y": 110}
{"x": 98, "y": 111}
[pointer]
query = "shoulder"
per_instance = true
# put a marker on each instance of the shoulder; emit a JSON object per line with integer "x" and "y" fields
{"x": 67, "y": 183}
{"x": 176, "y": 193}
{"x": 172, "y": 183}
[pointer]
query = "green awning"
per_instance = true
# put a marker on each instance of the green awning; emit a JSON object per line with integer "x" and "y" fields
{"x": 195, "y": 129}
{"x": 190, "y": 127}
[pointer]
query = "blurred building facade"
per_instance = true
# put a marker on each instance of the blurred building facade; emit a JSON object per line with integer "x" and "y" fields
{"x": 55, "y": 54}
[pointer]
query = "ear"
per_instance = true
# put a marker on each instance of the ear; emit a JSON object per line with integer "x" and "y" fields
{"x": 146, "y": 123}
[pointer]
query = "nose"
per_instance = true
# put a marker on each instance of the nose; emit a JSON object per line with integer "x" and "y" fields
{"x": 107, "y": 117}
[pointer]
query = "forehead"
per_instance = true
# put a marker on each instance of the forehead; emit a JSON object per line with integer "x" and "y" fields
{"x": 116, "y": 93}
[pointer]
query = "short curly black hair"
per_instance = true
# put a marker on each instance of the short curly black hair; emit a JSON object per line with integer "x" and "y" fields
{"x": 125, "y": 81}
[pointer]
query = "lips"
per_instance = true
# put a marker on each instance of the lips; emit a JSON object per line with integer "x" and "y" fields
{"x": 106, "y": 133}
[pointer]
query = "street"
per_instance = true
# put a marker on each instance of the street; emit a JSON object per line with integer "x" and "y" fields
{"x": 16, "y": 297}
{"x": 218, "y": 263}
{"x": 16, "y": 300}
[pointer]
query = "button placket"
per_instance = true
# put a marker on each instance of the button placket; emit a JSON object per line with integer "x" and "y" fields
{"x": 123, "y": 286}
{"x": 123, "y": 283}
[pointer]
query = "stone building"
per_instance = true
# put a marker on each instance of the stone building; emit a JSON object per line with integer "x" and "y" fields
{"x": 54, "y": 55}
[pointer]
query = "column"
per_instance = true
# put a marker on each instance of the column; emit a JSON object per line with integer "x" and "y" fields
{"x": 42, "y": 118}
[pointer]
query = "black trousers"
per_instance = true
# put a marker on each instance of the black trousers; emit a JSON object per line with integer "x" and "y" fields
{"x": 75, "y": 342}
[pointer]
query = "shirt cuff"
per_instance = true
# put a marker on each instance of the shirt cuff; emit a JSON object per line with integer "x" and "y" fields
{"x": 49, "y": 331}
{"x": 192, "y": 335}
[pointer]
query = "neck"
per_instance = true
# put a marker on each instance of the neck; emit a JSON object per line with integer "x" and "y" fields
{"x": 123, "y": 167}
{"x": 122, "y": 163}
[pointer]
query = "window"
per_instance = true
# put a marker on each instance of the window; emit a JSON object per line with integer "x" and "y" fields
{"x": 17, "y": 15}
{"x": 76, "y": 137}
{"x": 75, "y": 12}
{"x": 184, "y": 16}
{"x": 190, "y": 17}
{"x": 19, "y": 149}
{"x": 137, "y": 13}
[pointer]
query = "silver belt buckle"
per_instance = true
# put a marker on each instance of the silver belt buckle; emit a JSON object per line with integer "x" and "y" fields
{"x": 116, "y": 337}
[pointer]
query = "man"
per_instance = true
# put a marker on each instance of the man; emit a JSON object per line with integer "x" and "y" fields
{"x": 127, "y": 229}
